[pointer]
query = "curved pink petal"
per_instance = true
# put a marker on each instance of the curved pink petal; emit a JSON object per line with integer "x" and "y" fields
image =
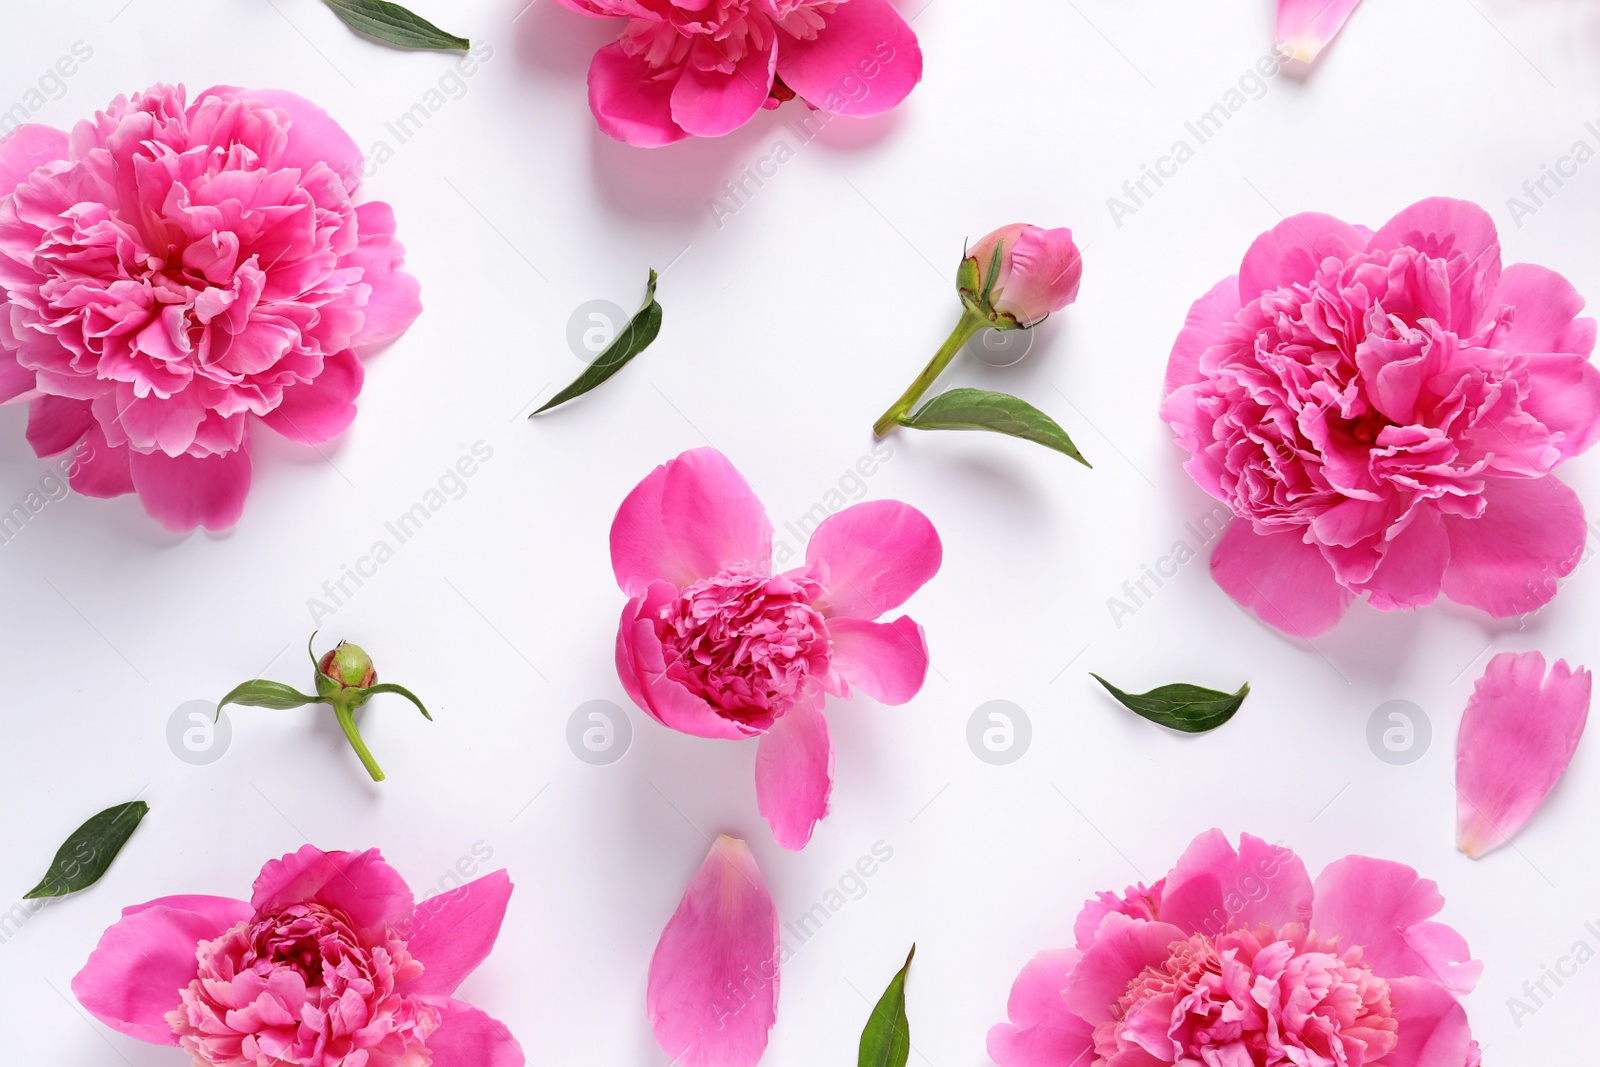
{"x": 15, "y": 380}
{"x": 1285, "y": 581}
{"x": 717, "y": 99}
{"x": 1517, "y": 738}
{"x": 183, "y": 492}
{"x": 1462, "y": 233}
{"x": 26, "y": 149}
{"x": 631, "y": 101}
{"x": 320, "y": 410}
{"x": 864, "y": 61}
{"x": 1212, "y": 887}
{"x": 56, "y": 423}
{"x": 468, "y": 1038}
{"x": 314, "y": 136}
{"x": 1205, "y": 327}
{"x": 689, "y": 519}
{"x": 1433, "y": 1027}
{"x": 1384, "y": 908}
{"x": 1124, "y": 948}
{"x": 1546, "y": 312}
{"x": 794, "y": 772}
{"x": 453, "y": 932}
{"x": 888, "y": 661}
{"x": 876, "y": 555}
{"x": 642, "y": 667}
{"x": 361, "y": 884}
{"x": 1564, "y": 394}
{"x": 396, "y": 298}
{"x": 1507, "y": 561}
{"x": 1042, "y": 1032}
{"x": 133, "y": 977}
{"x": 1413, "y": 565}
{"x": 1290, "y": 253}
{"x": 98, "y": 469}
{"x": 712, "y": 993}
{"x": 1306, "y": 26}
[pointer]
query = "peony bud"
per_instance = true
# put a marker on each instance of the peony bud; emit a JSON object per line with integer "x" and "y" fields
{"x": 1019, "y": 275}
{"x": 345, "y": 666}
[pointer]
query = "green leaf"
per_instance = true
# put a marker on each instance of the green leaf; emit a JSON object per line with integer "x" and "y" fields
{"x": 886, "y": 1042}
{"x": 390, "y": 687}
{"x": 261, "y": 693}
{"x": 394, "y": 25}
{"x": 85, "y": 856}
{"x": 1181, "y": 707}
{"x": 979, "y": 409}
{"x": 637, "y": 336}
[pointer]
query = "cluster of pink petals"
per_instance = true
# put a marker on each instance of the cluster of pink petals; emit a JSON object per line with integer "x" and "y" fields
{"x": 1517, "y": 738}
{"x": 714, "y": 644}
{"x": 329, "y": 964}
{"x": 713, "y": 989}
{"x": 1305, "y": 27}
{"x": 1383, "y": 413}
{"x": 703, "y": 68}
{"x": 175, "y": 271}
{"x": 1236, "y": 959}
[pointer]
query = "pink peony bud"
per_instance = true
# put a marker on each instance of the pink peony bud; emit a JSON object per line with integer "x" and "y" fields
{"x": 1036, "y": 274}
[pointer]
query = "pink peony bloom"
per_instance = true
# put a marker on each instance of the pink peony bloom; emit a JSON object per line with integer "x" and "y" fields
{"x": 1236, "y": 959}
{"x": 714, "y": 644}
{"x": 703, "y": 68}
{"x": 713, "y": 989}
{"x": 1517, "y": 738}
{"x": 176, "y": 271}
{"x": 1306, "y": 27}
{"x": 1382, "y": 412}
{"x": 329, "y": 964}
{"x": 1039, "y": 274}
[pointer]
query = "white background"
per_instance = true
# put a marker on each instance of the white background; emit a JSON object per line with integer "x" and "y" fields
{"x": 788, "y": 328}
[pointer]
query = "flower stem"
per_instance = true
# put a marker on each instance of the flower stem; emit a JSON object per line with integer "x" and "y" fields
{"x": 971, "y": 322}
{"x": 347, "y": 722}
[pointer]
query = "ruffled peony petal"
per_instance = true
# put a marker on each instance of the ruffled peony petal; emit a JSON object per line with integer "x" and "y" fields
{"x": 1433, "y": 1027}
{"x": 631, "y": 101}
{"x": 715, "y": 102}
{"x": 1384, "y": 908}
{"x": 1462, "y": 233}
{"x": 712, "y": 993}
{"x": 642, "y": 666}
{"x": 26, "y": 149}
{"x": 1413, "y": 565}
{"x": 98, "y": 469}
{"x": 314, "y": 136}
{"x": 1042, "y": 1032}
{"x": 1206, "y": 326}
{"x": 1306, "y": 26}
{"x": 1213, "y": 887}
{"x": 184, "y": 492}
{"x": 468, "y": 1038}
{"x": 1285, "y": 581}
{"x": 361, "y": 884}
{"x": 320, "y": 410}
{"x": 396, "y": 298}
{"x": 1531, "y": 532}
{"x": 56, "y": 423}
{"x": 1290, "y": 253}
{"x": 454, "y": 932}
{"x": 863, "y": 61}
{"x": 886, "y": 660}
{"x": 1565, "y": 396}
{"x": 1517, "y": 738}
{"x": 687, "y": 520}
{"x": 134, "y": 975}
{"x": 794, "y": 772}
{"x": 1123, "y": 948}
{"x": 876, "y": 555}
{"x": 1546, "y": 310}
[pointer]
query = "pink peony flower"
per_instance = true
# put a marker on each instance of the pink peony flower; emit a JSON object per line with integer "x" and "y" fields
{"x": 174, "y": 272}
{"x": 1236, "y": 959}
{"x": 714, "y": 644}
{"x": 1383, "y": 413}
{"x": 1306, "y": 27}
{"x": 1040, "y": 271}
{"x": 330, "y": 964}
{"x": 703, "y": 68}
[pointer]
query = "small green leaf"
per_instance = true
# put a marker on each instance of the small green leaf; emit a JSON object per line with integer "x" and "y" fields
{"x": 261, "y": 693}
{"x": 886, "y": 1041}
{"x": 394, "y": 25}
{"x": 390, "y": 687}
{"x": 637, "y": 336}
{"x": 979, "y": 409}
{"x": 1181, "y": 707}
{"x": 85, "y": 856}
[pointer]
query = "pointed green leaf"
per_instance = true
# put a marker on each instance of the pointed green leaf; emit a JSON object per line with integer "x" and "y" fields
{"x": 637, "y": 336}
{"x": 1181, "y": 707}
{"x": 262, "y": 693}
{"x": 87, "y": 854}
{"x": 393, "y": 24}
{"x": 979, "y": 409}
{"x": 886, "y": 1042}
{"x": 390, "y": 687}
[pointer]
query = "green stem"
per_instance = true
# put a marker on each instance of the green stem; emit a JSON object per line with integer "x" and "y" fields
{"x": 347, "y": 722}
{"x": 971, "y": 322}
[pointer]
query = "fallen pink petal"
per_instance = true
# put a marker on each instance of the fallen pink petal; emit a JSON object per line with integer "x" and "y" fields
{"x": 1306, "y": 27}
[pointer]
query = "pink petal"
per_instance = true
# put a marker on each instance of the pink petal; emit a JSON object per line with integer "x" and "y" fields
{"x": 1517, "y": 738}
{"x": 1413, "y": 565}
{"x": 794, "y": 772}
{"x": 15, "y": 379}
{"x": 1506, "y": 562}
{"x": 1290, "y": 253}
{"x": 877, "y": 554}
{"x": 1042, "y": 1032}
{"x": 99, "y": 470}
{"x": 183, "y": 492}
{"x": 1384, "y": 907}
{"x": 56, "y": 423}
{"x": 1282, "y": 579}
{"x": 631, "y": 101}
{"x": 319, "y": 410}
{"x": 1206, "y": 327}
{"x": 886, "y": 660}
{"x": 133, "y": 977}
{"x": 468, "y": 1038}
{"x": 1547, "y": 308}
{"x": 715, "y": 102}
{"x": 1124, "y": 948}
{"x": 689, "y": 519}
{"x": 1306, "y": 26}
{"x": 1212, "y": 886}
{"x": 454, "y": 932}
{"x": 361, "y": 884}
{"x": 1456, "y": 230}
{"x": 1564, "y": 394}
{"x": 396, "y": 298}
{"x": 712, "y": 994}
{"x": 1433, "y": 1027}
{"x": 864, "y": 61}
{"x": 314, "y": 136}
{"x": 642, "y": 667}
{"x": 25, "y": 150}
